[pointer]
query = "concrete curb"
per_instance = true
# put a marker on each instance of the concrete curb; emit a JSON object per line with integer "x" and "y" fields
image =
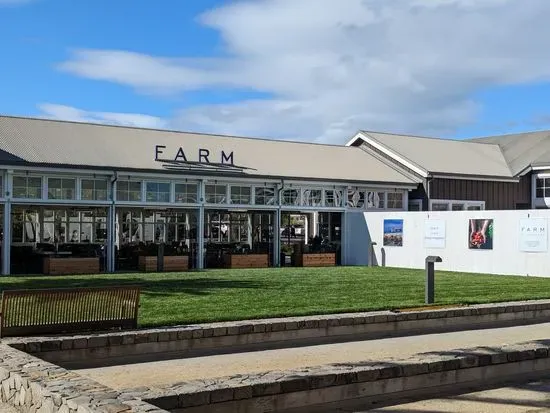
{"x": 274, "y": 391}
{"x": 241, "y": 335}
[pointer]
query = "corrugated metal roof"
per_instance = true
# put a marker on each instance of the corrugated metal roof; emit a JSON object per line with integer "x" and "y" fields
{"x": 446, "y": 156}
{"x": 522, "y": 149}
{"x": 44, "y": 141}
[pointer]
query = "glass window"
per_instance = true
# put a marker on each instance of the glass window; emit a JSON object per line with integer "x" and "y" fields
{"x": 93, "y": 190}
{"x": 128, "y": 191}
{"x": 215, "y": 194}
{"x": 61, "y": 188}
{"x": 457, "y": 207}
{"x": 333, "y": 198}
{"x": 264, "y": 196}
{"x": 395, "y": 200}
{"x": 157, "y": 192}
{"x": 312, "y": 197}
{"x": 540, "y": 187}
{"x": 375, "y": 200}
{"x": 241, "y": 195}
{"x": 291, "y": 197}
{"x": 440, "y": 206}
{"x": 27, "y": 187}
{"x": 356, "y": 198}
{"x": 186, "y": 193}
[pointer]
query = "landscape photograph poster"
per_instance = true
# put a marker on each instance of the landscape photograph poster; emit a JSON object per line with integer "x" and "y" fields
{"x": 434, "y": 233}
{"x": 393, "y": 232}
{"x": 533, "y": 235}
{"x": 480, "y": 234}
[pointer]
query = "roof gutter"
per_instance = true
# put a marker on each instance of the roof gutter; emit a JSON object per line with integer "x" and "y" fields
{"x": 443, "y": 175}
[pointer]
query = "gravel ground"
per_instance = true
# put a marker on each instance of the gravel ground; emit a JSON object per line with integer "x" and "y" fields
{"x": 6, "y": 408}
{"x": 167, "y": 372}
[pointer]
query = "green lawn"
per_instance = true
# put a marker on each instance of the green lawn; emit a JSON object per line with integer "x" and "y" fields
{"x": 217, "y": 295}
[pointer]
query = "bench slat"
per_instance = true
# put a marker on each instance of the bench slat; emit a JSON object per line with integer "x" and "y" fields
{"x": 62, "y": 310}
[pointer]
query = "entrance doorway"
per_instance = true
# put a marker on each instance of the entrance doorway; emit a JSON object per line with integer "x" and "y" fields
{"x": 309, "y": 233}
{"x": 235, "y": 237}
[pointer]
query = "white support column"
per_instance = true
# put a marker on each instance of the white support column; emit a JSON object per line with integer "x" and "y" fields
{"x": 6, "y": 241}
{"x": 200, "y": 228}
{"x": 112, "y": 234}
{"x": 315, "y": 223}
{"x": 277, "y": 230}
{"x": 249, "y": 228}
{"x": 344, "y": 239}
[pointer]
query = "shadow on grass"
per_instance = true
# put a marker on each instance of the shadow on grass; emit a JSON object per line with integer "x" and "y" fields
{"x": 150, "y": 287}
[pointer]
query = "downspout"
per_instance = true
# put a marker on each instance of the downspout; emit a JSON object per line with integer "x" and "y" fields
{"x": 428, "y": 191}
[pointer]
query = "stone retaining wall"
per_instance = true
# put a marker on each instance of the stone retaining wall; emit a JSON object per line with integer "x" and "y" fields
{"x": 276, "y": 391}
{"x": 33, "y": 385}
{"x": 179, "y": 340}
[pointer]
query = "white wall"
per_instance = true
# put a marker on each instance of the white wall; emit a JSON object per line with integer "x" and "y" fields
{"x": 504, "y": 258}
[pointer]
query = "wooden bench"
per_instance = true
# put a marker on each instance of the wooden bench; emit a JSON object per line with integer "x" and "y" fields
{"x": 68, "y": 310}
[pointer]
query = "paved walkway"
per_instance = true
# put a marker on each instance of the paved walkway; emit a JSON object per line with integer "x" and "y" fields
{"x": 163, "y": 373}
{"x": 532, "y": 397}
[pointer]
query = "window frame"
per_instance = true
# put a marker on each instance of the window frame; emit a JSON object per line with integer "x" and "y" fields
{"x": 94, "y": 189}
{"x": 195, "y": 198}
{"x": 27, "y": 177}
{"x": 157, "y": 198}
{"x": 128, "y": 191}
{"x": 468, "y": 205}
{"x": 62, "y": 188}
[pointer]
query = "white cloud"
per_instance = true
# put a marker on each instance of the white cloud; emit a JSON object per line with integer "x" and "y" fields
{"x": 409, "y": 65}
{"x": 53, "y": 111}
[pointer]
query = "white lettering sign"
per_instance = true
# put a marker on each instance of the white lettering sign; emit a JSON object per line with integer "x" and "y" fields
{"x": 533, "y": 235}
{"x": 434, "y": 233}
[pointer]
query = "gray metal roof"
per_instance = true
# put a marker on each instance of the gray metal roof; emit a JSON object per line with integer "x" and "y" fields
{"x": 522, "y": 150}
{"x": 43, "y": 141}
{"x": 446, "y": 156}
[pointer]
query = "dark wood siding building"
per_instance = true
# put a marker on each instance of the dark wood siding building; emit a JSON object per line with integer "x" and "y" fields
{"x": 496, "y": 195}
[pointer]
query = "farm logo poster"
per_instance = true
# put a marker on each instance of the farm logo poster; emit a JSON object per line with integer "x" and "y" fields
{"x": 480, "y": 234}
{"x": 393, "y": 232}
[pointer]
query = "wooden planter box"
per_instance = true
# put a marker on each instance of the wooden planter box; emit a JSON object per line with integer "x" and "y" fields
{"x": 321, "y": 259}
{"x": 70, "y": 266}
{"x": 246, "y": 261}
{"x": 171, "y": 263}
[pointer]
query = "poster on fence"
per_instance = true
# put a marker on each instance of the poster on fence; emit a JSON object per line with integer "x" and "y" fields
{"x": 533, "y": 235}
{"x": 434, "y": 233}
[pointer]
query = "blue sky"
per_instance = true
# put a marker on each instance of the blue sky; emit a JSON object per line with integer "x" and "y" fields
{"x": 309, "y": 70}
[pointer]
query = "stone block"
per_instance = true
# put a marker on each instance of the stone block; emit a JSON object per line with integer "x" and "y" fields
{"x": 368, "y": 374}
{"x": 80, "y": 343}
{"x": 390, "y": 372}
{"x": 221, "y": 395}
{"x": 97, "y": 341}
{"x": 115, "y": 340}
{"x": 193, "y": 399}
{"x": 207, "y": 332}
{"x": 243, "y": 392}
{"x": 219, "y": 331}
{"x": 294, "y": 385}
{"x": 415, "y": 369}
{"x": 50, "y": 345}
{"x": 185, "y": 334}
{"x": 291, "y": 325}
{"x": 164, "y": 336}
{"x": 278, "y": 326}
{"x": 32, "y": 347}
{"x": 66, "y": 344}
{"x": 265, "y": 389}
{"x": 259, "y": 328}
{"x": 198, "y": 333}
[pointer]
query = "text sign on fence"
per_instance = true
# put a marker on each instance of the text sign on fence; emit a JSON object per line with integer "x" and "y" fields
{"x": 533, "y": 235}
{"x": 434, "y": 233}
